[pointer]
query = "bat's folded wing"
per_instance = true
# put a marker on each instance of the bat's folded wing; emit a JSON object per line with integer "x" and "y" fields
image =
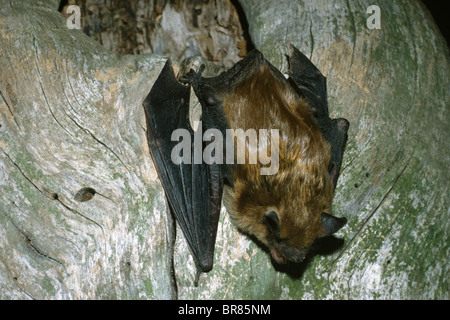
{"x": 193, "y": 191}
{"x": 312, "y": 85}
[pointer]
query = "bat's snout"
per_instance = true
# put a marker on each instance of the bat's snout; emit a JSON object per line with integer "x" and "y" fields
{"x": 283, "y": 253}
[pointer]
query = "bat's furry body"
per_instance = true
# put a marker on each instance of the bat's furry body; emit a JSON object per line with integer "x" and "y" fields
{"x": 301, "y": 189}
{"x": 287, "y": 211}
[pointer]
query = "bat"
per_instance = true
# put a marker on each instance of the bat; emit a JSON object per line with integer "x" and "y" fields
{"x": 193, "y": 190}
{"x": 287, "y": 207}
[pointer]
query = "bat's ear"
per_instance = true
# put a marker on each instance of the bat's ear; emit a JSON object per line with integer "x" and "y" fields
{"x": 331, "y": 224}
{"x": 272, "y": 222}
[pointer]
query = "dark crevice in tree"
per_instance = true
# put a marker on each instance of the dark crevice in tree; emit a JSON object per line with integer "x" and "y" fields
{"x": 244, "y": 24}
{"x": 84, "y": 194}
{"x": 62, "y": 4}
{"x": 217, "y": 31}
{"x": 440, "y": 16}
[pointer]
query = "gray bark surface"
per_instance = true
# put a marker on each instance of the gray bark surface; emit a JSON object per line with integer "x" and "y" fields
{"x": 83, "y": 215}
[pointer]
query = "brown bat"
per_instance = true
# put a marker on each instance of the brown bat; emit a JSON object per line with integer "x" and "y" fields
{"x": 287, "y": 207}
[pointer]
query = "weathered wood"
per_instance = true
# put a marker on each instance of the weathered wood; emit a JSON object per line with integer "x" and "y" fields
{"x": 180, "y": 29}
{"x": 71, "y": 119}
{"x": 393, "y": 86}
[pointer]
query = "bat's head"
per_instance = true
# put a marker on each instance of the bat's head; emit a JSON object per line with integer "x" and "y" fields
{"x": 286, "y": 211}
{"x": 294, "y": 244}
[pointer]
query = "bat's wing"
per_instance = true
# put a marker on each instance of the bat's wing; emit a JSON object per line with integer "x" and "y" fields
{"x": 193, "y": 191}
{"x": 312, "y": 85}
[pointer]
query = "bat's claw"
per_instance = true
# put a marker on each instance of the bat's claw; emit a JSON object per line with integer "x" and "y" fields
{"x": 193, "y": 77}
{"x": 197, "y": 277}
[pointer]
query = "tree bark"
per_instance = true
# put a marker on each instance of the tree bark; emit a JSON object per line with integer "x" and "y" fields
{"x": 72, "y": 119}
{"x": 82, "y": 213}
{"x": 180, "y": 29}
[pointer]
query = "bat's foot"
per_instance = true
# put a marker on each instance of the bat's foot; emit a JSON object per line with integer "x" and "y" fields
{"x": 193, "y": 77}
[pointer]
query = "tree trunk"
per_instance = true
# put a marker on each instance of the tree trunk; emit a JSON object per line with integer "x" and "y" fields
{"x": 83, "y": 215}
{"x": 72, "y": 127}
{"x": 180, "y": 29}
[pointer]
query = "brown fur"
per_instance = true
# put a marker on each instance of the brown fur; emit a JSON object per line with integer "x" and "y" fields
{"x": 301, "y": 190}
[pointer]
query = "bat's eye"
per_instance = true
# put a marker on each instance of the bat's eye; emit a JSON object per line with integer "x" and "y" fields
{"x": 272, "y": 222}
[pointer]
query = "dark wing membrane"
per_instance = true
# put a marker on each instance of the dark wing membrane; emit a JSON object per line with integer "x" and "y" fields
{"x": 309, "y": 80}
{"x": 192, "y": 190}
{"x": 312, "y": 85}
